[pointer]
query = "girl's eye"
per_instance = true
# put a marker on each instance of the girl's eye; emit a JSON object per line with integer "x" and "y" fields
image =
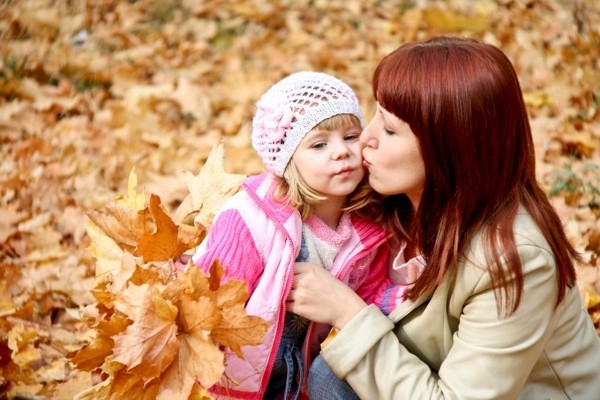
{"x": 318, "y": 145}
{"x": 352, "y": 137}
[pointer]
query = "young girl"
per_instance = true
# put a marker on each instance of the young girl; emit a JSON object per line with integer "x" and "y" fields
{"x": 305, "y": 208}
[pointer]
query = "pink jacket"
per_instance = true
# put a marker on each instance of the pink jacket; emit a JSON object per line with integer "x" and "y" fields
{"x": 258, "y": 240}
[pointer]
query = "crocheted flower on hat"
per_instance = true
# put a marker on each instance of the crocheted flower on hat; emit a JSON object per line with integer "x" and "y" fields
{"x": 273, "y": 117}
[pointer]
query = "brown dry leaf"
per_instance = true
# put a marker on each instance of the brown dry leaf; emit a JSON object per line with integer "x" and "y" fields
{"x": 579, "y": 145}
{"x": 211, "y": 187}
{"x": 133, "y": 385}
{"x": 191, "y": 283}
{"x": 168, "y": 241}
{"x": 449, "y": 21}
{"x": 123, "y": 225}
{"x": 156, "y": 85}
{"x": 150, "y": 344}
{"x": 77, "y": 383}
{"x": 93, "y": 355}
{"x": 21, "y": 340}
{"x": 591, "y": 299}
{"x": 199, "y": 314}
{"x": 594, "y": 241}
{"x": 215, "y": 276}
{"x": 10, "y": 216}
{"x": 198, "y": 359}
{"x": 96, "y": 392}
{"x": 199, "y": 356}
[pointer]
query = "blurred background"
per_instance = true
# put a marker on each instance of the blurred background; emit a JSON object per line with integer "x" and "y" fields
{"x": 90, "y": 89}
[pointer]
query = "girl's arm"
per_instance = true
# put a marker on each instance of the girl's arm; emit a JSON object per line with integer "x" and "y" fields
{"x": 377, "y": 288}
{"x": 230, "y": 241}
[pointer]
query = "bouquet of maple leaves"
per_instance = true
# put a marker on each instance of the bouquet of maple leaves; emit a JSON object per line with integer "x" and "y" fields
{"x": 160, "y": 331}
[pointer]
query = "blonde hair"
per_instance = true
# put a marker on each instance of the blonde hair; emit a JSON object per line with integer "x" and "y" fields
{"x": 293, "y": 189}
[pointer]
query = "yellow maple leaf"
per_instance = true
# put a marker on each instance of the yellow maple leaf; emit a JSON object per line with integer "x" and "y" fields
{"x": 165, "y": 242}
{"x": 107, "y": 253}
{"x": 150, "y": 344}
{"x": 211, "y": 187}
{"x": 133, "y": 200}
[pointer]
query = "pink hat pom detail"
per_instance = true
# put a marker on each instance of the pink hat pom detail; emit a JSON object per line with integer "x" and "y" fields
{"x": 273, "y": 118}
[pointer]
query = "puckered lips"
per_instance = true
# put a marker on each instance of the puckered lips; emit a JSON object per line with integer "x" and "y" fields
{"x": 345, "y": 171}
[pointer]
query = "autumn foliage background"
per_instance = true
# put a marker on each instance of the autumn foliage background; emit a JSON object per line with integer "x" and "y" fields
{"x": 90, "y": 90}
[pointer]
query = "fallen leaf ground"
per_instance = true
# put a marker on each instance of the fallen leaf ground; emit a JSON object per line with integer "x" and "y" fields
{"x": 90, "y": 90}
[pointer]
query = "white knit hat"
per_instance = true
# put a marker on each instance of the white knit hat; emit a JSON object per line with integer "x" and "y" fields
{"x": 293, "y": 107}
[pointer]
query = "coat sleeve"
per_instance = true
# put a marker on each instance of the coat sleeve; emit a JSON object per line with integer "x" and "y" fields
{"x": 229, "y": 240}
{"x": 490, "y": 356}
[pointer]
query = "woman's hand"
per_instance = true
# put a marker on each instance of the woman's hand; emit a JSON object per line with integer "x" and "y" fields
{"x": 320, "y": 297}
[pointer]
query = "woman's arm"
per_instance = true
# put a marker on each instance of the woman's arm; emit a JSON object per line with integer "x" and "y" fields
{"x": 488, "y": 356}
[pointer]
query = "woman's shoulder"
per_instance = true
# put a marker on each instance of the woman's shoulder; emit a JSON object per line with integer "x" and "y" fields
{"x": 529, "y": 241}
{"x": 527, "y": 232}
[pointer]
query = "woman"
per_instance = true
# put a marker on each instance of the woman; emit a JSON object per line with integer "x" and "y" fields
{"x": 495, "y": 312}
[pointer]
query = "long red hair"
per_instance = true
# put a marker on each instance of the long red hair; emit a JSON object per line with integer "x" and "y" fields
{"x": 463, "y": 101}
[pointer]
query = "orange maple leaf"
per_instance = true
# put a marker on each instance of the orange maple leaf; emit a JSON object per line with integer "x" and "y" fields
{"x": 94, "y": 354}
{"x": 165, "y": 242}
{"x": 237, "y": 329}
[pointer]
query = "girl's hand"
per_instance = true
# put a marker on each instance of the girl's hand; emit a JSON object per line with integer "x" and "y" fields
{"x": 320, "y": 297}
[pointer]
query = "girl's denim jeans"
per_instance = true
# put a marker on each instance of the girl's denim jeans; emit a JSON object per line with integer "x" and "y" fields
{"x": 324, "y": 385}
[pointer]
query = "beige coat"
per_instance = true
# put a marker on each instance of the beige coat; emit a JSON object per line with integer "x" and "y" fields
{"x": 453, "y": 345}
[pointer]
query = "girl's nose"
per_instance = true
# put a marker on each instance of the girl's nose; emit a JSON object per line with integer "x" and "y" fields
{"x": 341, "y": 151}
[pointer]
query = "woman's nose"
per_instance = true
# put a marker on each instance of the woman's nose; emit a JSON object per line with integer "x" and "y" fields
{"x": 368, "y": 138}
